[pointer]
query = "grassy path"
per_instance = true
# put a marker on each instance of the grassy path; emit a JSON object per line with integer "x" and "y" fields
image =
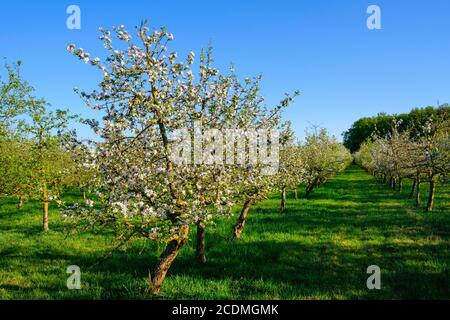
{"x": 319, "y": 249}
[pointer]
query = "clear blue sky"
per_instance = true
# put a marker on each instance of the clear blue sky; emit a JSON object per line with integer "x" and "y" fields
{"x": 321, "y": 47}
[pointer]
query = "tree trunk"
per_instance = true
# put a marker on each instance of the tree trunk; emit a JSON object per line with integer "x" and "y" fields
{"x": 200, "y": 250}
{"x": 20, "y": 203}
{"x": 392, "y": 183}
{"x": 45, "y": 211}
{"x": 295, "y": 194}
{"x": 309, "y": 189}
{"x": 239, "y": 226}
{"x": 400, "y": 184}
{"x": 283, "y": 200}
{"x": 45, "y": 216}
{"x": 166, "y": 259}
{"x": 413, "y": 188}
{"x": 83, "y": 192}
{"x": 431, "y": 193}
{"x": 418, "y": 191}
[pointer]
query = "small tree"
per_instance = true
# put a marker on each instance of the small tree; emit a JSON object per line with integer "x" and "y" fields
{"x": 322, "y": 158}
{"x": 290, "y": 171}
{"x": 50, "y": 163}
{"x": 436, "y": 155}
{"x": 33, "y": 160}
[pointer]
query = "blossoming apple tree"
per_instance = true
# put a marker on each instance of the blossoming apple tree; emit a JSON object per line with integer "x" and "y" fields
{"x": 322, "y": 158}
{"x": 290, "y": 171}
{"x": 152, "y": 103}
{"x": 423, "y": 157}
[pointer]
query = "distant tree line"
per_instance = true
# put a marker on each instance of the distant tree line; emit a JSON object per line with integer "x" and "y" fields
{"x": 381, "y": 125}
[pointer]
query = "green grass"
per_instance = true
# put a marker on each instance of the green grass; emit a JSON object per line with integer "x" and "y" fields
{"x": 319, "y": 249}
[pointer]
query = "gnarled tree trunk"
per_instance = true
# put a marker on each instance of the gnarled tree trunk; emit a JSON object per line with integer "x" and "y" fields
{"x": 166, "y": 259}
{"x": 239, "y": 226}
{"x": 417, "y": 200}
{"x": 400, "y": 184}
{"x": 200, "y": 249}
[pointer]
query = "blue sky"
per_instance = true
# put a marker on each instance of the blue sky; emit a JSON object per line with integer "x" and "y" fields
{"x": 321, "y": 47}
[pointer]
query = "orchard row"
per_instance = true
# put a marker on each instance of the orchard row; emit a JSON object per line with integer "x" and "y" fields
{"x": 128, "y": 178}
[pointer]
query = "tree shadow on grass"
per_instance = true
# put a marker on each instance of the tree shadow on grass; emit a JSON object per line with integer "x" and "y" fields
{"x": 320, "y": 248}
{"x": 323, "y": 269}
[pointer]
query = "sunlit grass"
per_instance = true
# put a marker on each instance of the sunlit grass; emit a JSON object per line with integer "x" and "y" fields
{"x": 319, "y": 249}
